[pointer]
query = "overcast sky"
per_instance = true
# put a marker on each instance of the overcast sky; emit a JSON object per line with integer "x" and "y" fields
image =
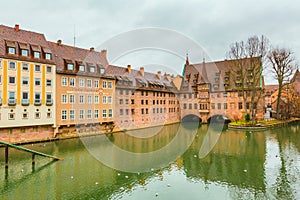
{"x": 212, "y": 24}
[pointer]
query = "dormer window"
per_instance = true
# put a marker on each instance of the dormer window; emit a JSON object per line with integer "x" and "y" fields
{"x": 11, "y": 47}
{"x": 24, "y": 52}
{"x": 102, "y": 70}
{"x": 36, "y": 54}
{"x": 11, "y": 50}
{"x": 48, "y": 56}
{"x": 81, "y": 68}
{"x": 92, "y": 69}
{"x": 70, "y": 66}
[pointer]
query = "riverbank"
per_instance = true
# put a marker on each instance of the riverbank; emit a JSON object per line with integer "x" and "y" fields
{"x": 21, "y": 140}
{"x": 260, "y": 125}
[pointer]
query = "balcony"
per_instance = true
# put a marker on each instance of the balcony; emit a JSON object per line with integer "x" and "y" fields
{"x": 37, "y": 102}
{"x": 203, "y": 111}
{"x": 49, "y": 102}
{"x": 12, "y": 102}
{"x": 25, "y": 102}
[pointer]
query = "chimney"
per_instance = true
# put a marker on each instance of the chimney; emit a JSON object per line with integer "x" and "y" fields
{"x": 167, "y": 76}
{"x": 142, "y": 71}
{"x": 17, "y": 27}
{"x": 92, "y": 49}
{"x": 104, "y": 51}
{"x": 58, "y": 42}
{"x": 159, "y": 74}
{"x": 129, "y": 68}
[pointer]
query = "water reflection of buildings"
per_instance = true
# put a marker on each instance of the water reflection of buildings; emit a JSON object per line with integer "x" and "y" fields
{"x": 237, "y": 159}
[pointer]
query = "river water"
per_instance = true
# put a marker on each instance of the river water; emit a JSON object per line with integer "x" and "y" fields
{"x": 160, "y": 163}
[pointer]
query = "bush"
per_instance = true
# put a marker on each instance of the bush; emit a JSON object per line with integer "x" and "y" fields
{"x": 247, "y": 117}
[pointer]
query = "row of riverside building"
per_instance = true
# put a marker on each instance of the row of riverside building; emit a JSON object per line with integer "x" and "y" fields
{"x": 49, "y": 90}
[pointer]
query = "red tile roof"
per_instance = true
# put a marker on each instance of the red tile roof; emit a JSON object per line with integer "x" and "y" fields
{"x": 23, "y": 38}
{"x": 64, "y": 53}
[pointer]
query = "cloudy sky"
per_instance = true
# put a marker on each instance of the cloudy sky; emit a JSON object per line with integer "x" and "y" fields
{"x": 213, "y": 25}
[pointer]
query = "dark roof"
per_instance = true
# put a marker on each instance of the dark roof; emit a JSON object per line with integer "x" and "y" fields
{"x": 63, "y": 54}
{"x": 136, "y": 78}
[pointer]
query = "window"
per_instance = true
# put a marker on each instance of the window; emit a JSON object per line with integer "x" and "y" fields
{"x": 37, "y": 115}
{"x": 11, "y": 95}
{"x": 184, "y": 106}
{"x": 225, "y": 106}
{"x": 96, "y": 99}
{"x": 247, "y": 105}
{"x": 89, "y": 99}
{"x": 240, "y": 105}
{"x": 37, "y": 68}
{"x": 25, "y": 81}
{"x": 81, "y": 68}
{"x": 132, "y": 111}
{"x": 12, "y": 80}
{"x": 190, "y": 106}
{"x": 147, "y": 111}
{"x": 104, "y": 99}
{"x": 49, "y": 98}
{"x": 110, "y": 100}
{"x": 37, "y": 81}
{"x": 25, "y": 66}
{"x": 36, "y": 54}
{"x": 96, "y": 114}
{"x": 72, "y": 82}
{"x": 104, "y": 113}
{"x": 127, "y": 111}
{"x": 219, "y": 106}
{"x": 110, "y": 113}
{"x": 89, "y": 114}
{"x": 142, "y": 111}
{"x": 64, "y": 81}
{"x": 63, "y": 114}
{"x": 72, "y": 114}
{"x": 70, "y": 66}
{"x": 153, "y": 110}
{"x": 195, "y": 106}
{"x": 81, "y": 99}
{"x": 48, "y": 82}
{"x": 126, "y": 101}
{"x": 213, "y": 106}
{"x": 109, "y": 84}
{"x": 121, "y": 101}
{"x": 96, "y": 84}
{"x": 11, "y": 116}
{"x": 72, "y": 98}
{"x": 25, "y": 115}
{"x": 89, "y": 83}
{"x": 12, "y": 65}
{"x": 127, "y": 92}
{"x": 64, "y": 98}
{"x": 48, "y": 56}
{"x": 24, "y": 52}
{"x": 11, "y": 50}
{"x": 92, "y": 69}
{"x": 142, "y": 102}
{"x": 132, "y": 101}
{"x": 49, "y": 69}
{"x": 104, "y": 83}
{"x": 25, "y": 96}
{"x": 81, "y": 82}
{"x": 121, "y": 111}
{"x": 102, "y": 70}
{"x": 81, "y": 114}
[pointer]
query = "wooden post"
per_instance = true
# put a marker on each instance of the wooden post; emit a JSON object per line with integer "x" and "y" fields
{"x": 33, "y": 156}
{"x": 6, "y": 156}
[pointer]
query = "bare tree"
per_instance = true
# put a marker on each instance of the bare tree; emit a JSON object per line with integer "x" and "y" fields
{"x": 249, "y": 58}
{"x": 283, "y": 66}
